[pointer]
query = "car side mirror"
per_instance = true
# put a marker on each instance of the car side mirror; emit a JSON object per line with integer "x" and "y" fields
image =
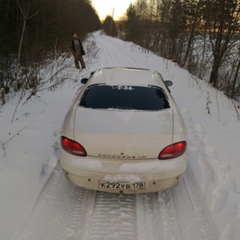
{"x": 84, "y": 80}
{"x": 168, "y": 83}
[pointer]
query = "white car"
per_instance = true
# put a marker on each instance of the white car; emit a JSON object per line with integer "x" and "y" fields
{"x": 124, "y": 133}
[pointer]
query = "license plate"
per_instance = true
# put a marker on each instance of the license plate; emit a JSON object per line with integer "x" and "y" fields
{"x": 121, "y": 185}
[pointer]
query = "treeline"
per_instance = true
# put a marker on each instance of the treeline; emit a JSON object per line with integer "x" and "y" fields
{"x": 34, "y": 30}
{"x": 200, "y": 35}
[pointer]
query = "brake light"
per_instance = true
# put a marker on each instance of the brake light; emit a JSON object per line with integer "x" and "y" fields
{"x": 173, "y": 150}
{"x": 73, "y": 147}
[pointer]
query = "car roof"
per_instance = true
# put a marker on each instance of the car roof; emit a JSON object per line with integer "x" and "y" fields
{"x": 126, "y": 76}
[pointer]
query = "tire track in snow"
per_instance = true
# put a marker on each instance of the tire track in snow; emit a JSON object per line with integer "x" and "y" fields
{"x": 59, "y": 212}
{"x": 176, "y": 214}
{"x": 156, "y": 217}
{"x": 194, "y": 218}
{"x": 113, "y": 218}
{"x": 111, "y": 60}
{"x": 65, "y": 212}
{"x": 115, "y": 55}
{"x": 145, "y": 222}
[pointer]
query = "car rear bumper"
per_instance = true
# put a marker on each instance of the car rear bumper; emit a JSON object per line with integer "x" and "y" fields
{"x": 152, "y": 175}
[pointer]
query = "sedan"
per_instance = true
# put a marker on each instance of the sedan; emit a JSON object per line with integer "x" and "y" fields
{"x": 124, "y": 133}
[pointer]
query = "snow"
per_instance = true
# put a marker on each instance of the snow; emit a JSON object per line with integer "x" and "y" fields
{"x": 34, "y": 189}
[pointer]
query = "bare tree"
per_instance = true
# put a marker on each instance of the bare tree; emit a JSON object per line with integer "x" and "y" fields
{"x": 222, "y": 20}
{"x": 235, "y": 86}
{"x": 26, "y": 15}
{"x": 192, "y": 10}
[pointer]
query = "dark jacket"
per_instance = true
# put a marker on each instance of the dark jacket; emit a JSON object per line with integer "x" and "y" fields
{"x": 81, "y": 47}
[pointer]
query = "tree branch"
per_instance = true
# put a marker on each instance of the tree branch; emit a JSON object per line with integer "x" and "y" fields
{"x": 16, "y": 134}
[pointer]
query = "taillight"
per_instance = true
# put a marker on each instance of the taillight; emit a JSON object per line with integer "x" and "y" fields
{"x": 73, "y": 147}
{"x": 172, "y": 151}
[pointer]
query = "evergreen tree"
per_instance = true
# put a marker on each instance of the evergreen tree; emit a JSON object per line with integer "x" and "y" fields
{"x": 109, "y": 26}
{"x": 132, "y": 24}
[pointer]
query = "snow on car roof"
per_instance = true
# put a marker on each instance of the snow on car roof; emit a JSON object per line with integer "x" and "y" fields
{"x": 126, "y": 76}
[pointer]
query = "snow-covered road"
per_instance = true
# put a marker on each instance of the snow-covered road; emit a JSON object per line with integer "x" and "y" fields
{"x": 50, "y": 208}
{"x": 63, "y": 211}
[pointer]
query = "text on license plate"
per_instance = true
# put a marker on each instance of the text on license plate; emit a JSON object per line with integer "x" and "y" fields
{"x": 121, "y": 185}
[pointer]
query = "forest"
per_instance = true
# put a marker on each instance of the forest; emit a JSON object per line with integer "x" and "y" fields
{"x": 201, "y": 36}
{"x": 35, "y": 31}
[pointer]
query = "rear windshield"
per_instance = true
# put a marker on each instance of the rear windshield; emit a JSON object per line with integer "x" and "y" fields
{"x": 124, "y": 97}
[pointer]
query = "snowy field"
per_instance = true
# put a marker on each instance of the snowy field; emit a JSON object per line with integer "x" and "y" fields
{"x": 38, "y": 203}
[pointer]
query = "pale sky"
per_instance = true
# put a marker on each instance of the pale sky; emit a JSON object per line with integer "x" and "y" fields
{"x": 105, "y": 7}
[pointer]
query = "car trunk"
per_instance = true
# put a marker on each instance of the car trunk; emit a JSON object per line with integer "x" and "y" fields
{"x": 123, "y": 134}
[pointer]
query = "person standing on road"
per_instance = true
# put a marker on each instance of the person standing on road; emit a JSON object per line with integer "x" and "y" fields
{"x": 77, "y": 51}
